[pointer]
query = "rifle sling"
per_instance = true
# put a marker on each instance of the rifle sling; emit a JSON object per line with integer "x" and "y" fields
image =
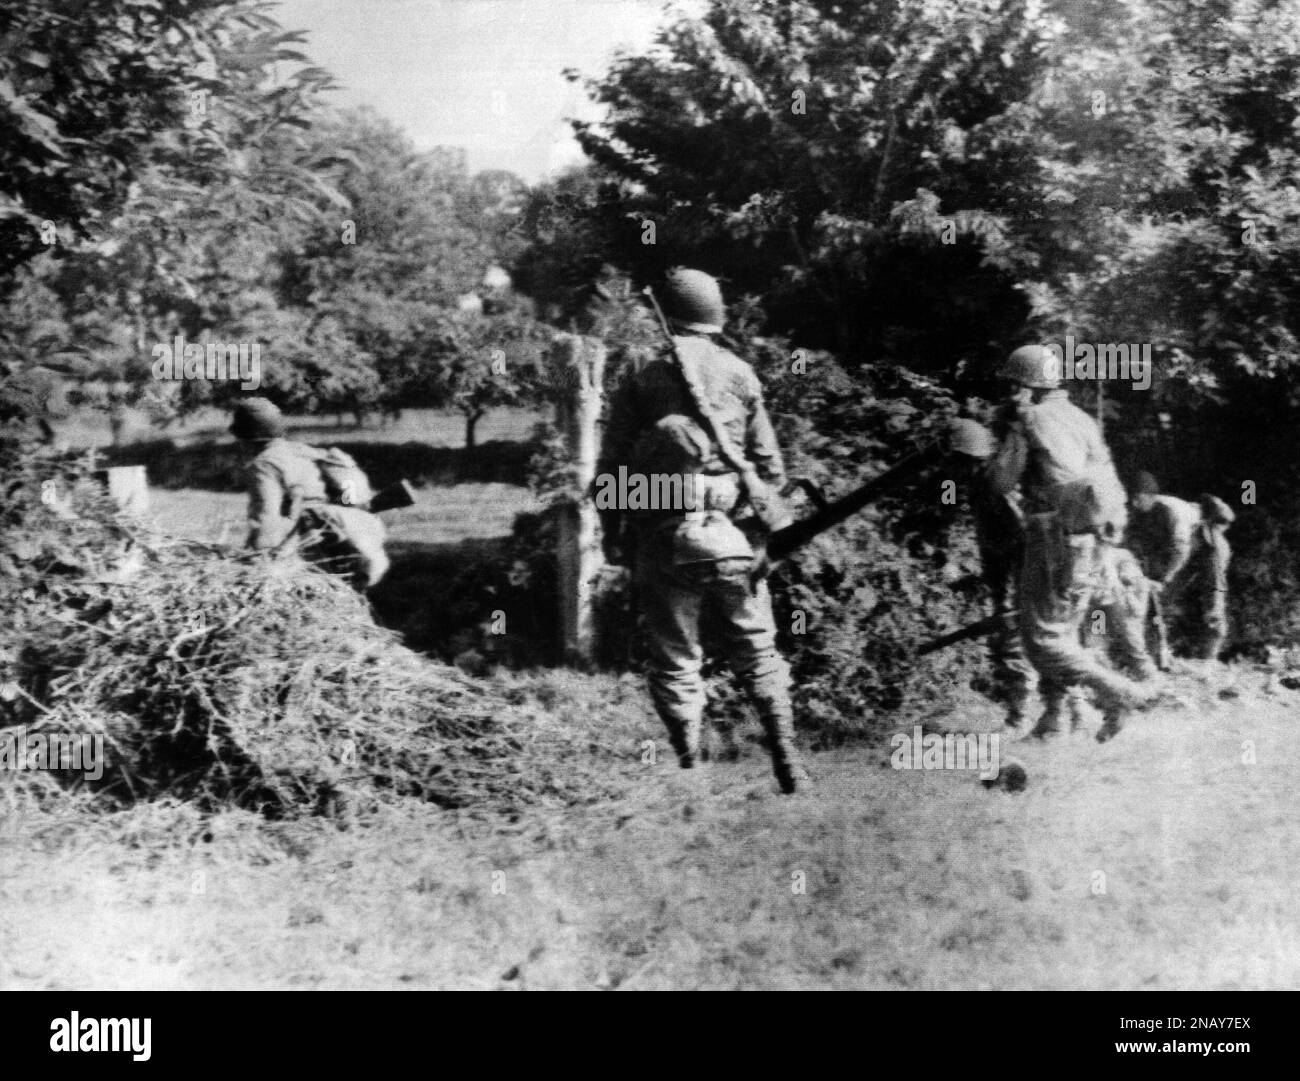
{"x": 726, "y": 449}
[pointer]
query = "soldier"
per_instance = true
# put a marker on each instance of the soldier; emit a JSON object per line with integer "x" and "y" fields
{"x": 999, "y": 534}
{"x": 1125, "y": 601}
{"x": 288, "y": 495}
{"x": 1074, "y": 505}
{"x": 686, "y": 556}
{"x": 1185, "y": 552}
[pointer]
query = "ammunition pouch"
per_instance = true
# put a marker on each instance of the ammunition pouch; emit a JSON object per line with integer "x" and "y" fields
{"x": 708, "y": 536}
{"x": 768, "y": 505}
{"x": 719, "y": 492}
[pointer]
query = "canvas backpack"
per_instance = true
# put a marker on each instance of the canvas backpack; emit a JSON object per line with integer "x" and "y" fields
{"x": 346, "y": 484}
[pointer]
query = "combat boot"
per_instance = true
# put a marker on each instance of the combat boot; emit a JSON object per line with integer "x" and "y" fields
{"x": 1078, "y": 711}
{"x": 777, "y": 718}
{"x": 1014, "y": 725}
{"x": 684, "y": 737}
{"x": 1111, "y": 725}
{"x": 1049, "y": 726}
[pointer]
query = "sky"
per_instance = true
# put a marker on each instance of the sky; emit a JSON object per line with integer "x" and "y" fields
{"x": 480, "y": 74}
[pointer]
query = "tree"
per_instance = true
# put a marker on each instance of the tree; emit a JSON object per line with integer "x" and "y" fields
{"x": 1169, "y": 149}
{"x": 491, "y": 361}
{"x": 420, "y": 236}
{"x": 773, "y": 142}
{"x": 198, "y": 169}
{"x": 84, "y": 91}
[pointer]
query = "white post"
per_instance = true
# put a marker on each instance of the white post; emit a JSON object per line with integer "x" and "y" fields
{"x": 129, "y": 487}
{"x": 579, "y": 364}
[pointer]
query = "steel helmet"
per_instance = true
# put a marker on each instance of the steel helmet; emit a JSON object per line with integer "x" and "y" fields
{"x": 1216, "y": 511}
{"x": 1147, "y": 484}
{"x": 257, "y": 418}
{"x": 1034, "y": 366}
{"x": 693, "y": 300}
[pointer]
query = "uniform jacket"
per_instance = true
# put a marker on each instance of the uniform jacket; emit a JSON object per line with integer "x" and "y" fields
{"x": 655, "y": 389}
{"x": 1164, "y": 536}
{"x": 282, "y": 479}
{"x": 999, "y": 532}
{"x": 1049, "y": 451}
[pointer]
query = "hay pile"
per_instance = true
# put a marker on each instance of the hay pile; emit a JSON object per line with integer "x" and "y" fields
{"x": 226, "y": 678}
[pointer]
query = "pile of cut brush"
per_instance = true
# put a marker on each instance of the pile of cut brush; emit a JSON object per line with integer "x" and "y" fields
{"x": 232, "y": 678}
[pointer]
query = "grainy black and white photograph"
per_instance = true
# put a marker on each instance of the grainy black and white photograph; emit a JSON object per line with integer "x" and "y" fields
{"x": 613, "y": 495}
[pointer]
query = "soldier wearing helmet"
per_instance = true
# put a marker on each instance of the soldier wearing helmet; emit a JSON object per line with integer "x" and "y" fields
{"x": 999, "y": 536}
{"x": 1184, "y": 549}
{"x": 685, "y": 557}
{"x": 1053, "y": 456}
{"x": 288, "y": 495}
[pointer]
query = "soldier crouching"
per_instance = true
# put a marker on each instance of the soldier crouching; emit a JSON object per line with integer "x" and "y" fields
{"x": 288, "y": 498}
{"x": 696, "y": 554}
{"x": 1184, "y": 549}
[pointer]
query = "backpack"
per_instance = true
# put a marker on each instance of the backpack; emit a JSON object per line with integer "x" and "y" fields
{"x": 346, "y": 484}
{"x": 1093, "y": 504}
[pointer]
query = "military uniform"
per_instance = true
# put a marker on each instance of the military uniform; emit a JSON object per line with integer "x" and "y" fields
{"x": 287, "y": 494}
{"x": 1124, "y": 601}
{"x": 1074, "y": 506}
{"x": 1000, "y": 538}
{"x": 1185, "y": 551}
{"x": 685, "y": 558}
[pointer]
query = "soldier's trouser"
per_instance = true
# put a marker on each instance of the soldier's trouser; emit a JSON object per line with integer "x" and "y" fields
{"x": 671, "y": 600}
{"x": 1199, "y": 593}
{"x": 1060, "y": 578}
{"x": 347, "y": 541}
{"x": 1014, "y": 677}
{"x": 1125, "y": 601}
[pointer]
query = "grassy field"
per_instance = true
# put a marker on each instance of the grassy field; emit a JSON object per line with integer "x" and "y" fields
{"x": 445, "y": 514}
{"x": 437, "y": 428}
{"x": 1159, "y": 860}
{"x": 1166, "y": 858}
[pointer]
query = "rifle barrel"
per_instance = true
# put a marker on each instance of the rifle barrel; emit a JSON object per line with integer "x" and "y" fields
{"x": 978, "y": 629}
{"x": 784, "y": 541}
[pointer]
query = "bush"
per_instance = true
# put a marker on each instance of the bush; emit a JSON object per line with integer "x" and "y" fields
{"x": 854, "y": 605}
{"x": 233, "y": 678}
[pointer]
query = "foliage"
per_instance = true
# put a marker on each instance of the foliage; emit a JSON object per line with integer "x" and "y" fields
{"x": 259, "y": 216}
{"x": 957, "y": 178}
{"x": 200, "y": 169}
{"x": 84, "y": 91}
{"x": 231, "y": 679}
{"x": 772, "y": 142}
{"x": 488, "y": 361}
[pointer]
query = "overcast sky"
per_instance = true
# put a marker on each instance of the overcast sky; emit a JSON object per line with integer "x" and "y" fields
{"x": 482, "y": 74}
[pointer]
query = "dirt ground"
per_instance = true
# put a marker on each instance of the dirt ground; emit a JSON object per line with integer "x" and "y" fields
{"x": 1167, "y": 858}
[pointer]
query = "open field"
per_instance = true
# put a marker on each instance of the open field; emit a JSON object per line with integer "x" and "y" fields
{"x": 911, "y": 880}
{"x": 447, "y": 513}
{"x": 437, "y": 428}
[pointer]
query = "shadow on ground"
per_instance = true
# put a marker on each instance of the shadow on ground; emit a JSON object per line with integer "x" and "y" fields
{"x": 217, "y": 466}
{"x": 471, "y": 602}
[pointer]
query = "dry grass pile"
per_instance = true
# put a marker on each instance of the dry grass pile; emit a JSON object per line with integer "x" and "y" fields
{"x": 226, "y": 678}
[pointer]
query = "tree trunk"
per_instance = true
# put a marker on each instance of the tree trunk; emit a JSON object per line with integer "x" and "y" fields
{"x": 471, "y": 427}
